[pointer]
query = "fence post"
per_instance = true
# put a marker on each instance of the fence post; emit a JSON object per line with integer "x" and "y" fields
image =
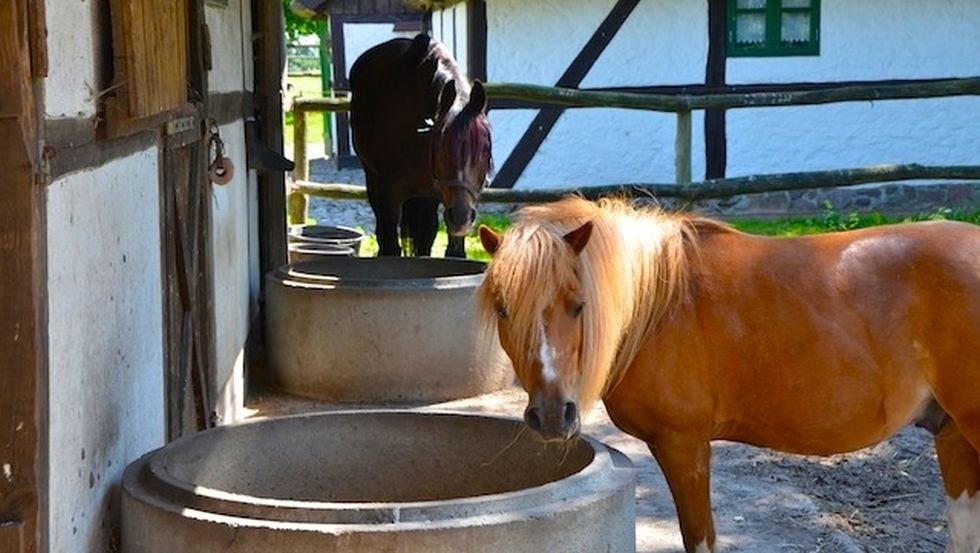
{"x": 302, "y": 169}
{"x": 682, "y": 148}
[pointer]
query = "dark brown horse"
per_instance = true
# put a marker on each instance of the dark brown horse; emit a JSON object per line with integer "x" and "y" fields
{"x": 421, "y": 132}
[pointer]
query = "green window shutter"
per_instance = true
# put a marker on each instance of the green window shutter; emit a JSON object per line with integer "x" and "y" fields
{"x": 760, "y": 28}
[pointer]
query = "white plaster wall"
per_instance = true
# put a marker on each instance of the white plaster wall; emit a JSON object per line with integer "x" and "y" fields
{"x": 886, "y": 39}
{"x": 449, "y": 27}
{"x": 230, "y": 239}
{"x": 72, "y": 82}
{"x": 897, "y": 39}
{"x": 105, "y": 342}
{"x": 228, "y": 64}
{"x": 663, "y": 42}
{"x": 854, "y": 134}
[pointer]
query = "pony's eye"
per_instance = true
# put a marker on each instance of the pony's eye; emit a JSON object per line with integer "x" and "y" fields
{"x": 501, "y": 312}
{"x": 577, "y": 310}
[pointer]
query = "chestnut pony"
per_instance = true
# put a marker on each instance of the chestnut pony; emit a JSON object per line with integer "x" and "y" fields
{"x": 421, "y": 132}
{"x": 690, "y": 331}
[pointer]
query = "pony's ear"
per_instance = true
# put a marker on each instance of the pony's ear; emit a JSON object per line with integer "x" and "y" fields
{"x": 579, "y": 237}
{"x": 446, "y": 98}
{"x": 490, "y": 239}
{"x": 478, "y": 98}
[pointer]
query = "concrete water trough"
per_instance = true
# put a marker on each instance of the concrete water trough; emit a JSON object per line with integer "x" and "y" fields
{"x": 379, "y": 330}
{"x": 397, "y": 481}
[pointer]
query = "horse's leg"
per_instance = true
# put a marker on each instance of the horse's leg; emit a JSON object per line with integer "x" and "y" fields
{"x": 959, "y": 463}
{"x": 456, "y": 246}
{"x": 386, "y": 212}
{"x": 426, "y": 225}
{"x": 686, "y": 463}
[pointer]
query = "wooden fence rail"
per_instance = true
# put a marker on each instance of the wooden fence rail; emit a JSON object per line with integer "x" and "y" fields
{"x": 713, "y": 188}
{"x": 681, "y": 104}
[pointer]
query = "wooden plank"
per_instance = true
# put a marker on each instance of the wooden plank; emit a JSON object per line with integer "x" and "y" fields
{"x": 12, "y": 536}
{"x": 712, "y": 188}
{"x": 23, "y": 328}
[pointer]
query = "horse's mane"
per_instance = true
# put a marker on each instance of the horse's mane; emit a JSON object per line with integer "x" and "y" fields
{"x": 633, "y": 272}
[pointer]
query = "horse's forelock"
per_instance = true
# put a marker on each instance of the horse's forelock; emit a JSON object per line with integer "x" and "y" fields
{"x": 631, "y": 273}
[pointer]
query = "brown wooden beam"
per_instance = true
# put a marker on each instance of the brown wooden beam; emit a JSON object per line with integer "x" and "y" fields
{"x": 267, "y": 19}
{"x": 708, "y": 189}
{"x": 715, "y": 140}
{"x": 23, "y": 328}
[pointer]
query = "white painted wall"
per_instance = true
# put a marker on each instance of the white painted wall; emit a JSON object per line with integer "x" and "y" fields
{"x": 232, "y": 213}
{"x": 449, "y": 27}
{"x": 105, "y": 342}
{"x": 663, "y": 42}
{"x": 899, "y": 39}
{"x": 877, "y": 40}
{"x": 230, "y": 239}
{"x": 72, "y": 83}
{"x": 225, "y": 24}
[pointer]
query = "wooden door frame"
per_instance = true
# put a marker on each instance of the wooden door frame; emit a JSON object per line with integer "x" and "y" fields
{"x": 23, "y": 279}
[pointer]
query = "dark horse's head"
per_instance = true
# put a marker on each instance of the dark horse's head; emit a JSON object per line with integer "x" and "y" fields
{"x": 460, "y": 152}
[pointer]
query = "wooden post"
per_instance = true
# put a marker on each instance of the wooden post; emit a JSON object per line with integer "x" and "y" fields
{"x": 302, "y": 169}
{"x": 23, "y": 285}
{"x": 682, "y": 148}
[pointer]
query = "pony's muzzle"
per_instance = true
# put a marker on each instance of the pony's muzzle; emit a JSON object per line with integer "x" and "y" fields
{"x": 554, "y": 420}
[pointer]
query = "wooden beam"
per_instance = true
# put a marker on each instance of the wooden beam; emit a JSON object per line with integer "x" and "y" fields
{"x": 677, "y": 102}
{"x": 267, "y": 18}
{"x": 23, "y": 326}
{"x": 708, "y": 189}
{"x": 715, "y": 140}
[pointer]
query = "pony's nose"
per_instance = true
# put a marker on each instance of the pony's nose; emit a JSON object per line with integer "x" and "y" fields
{"x": 532, "y": 418}
{"x": 553, "y": 421}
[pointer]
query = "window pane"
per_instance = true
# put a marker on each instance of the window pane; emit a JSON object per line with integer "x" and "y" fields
{"x": 751, "y": 28}
{"x": 750, "y": 4}
{"x": 796, "y": 3}
{"x": 796, "y": 28}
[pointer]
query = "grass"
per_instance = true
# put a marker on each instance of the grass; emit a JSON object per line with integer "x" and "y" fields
{"x": 305, "y": 85}
{"x": 830, "y": 221}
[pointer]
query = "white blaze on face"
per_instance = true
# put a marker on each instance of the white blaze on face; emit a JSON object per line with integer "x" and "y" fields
{"x": 546, "y": 354}
{"x": 963, "y": 514}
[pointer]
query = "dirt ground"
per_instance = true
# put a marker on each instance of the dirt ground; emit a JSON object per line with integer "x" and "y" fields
{"x": 887, "y": 498}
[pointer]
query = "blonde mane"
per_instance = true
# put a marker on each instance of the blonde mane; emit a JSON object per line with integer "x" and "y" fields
{"x": 631, "y": 274}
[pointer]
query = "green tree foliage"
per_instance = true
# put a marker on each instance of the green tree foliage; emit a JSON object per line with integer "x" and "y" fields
{"x": 297, "y": 26}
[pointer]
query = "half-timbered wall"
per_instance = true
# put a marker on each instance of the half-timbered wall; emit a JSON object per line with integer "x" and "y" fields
{"x": 664, "y": 43}
{"x": 106, "y": 325}
{"x": 861, "y": 41}
{"x": 449, "y": 27}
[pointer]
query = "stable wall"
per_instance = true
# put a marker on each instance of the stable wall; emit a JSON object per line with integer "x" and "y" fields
{"x": 910, "y": 39}
{"x": 105, "y": 342}
{"x": 106, "y": 402}
{"x": 234, "y": 212}
{"x": 665, "y": 42}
